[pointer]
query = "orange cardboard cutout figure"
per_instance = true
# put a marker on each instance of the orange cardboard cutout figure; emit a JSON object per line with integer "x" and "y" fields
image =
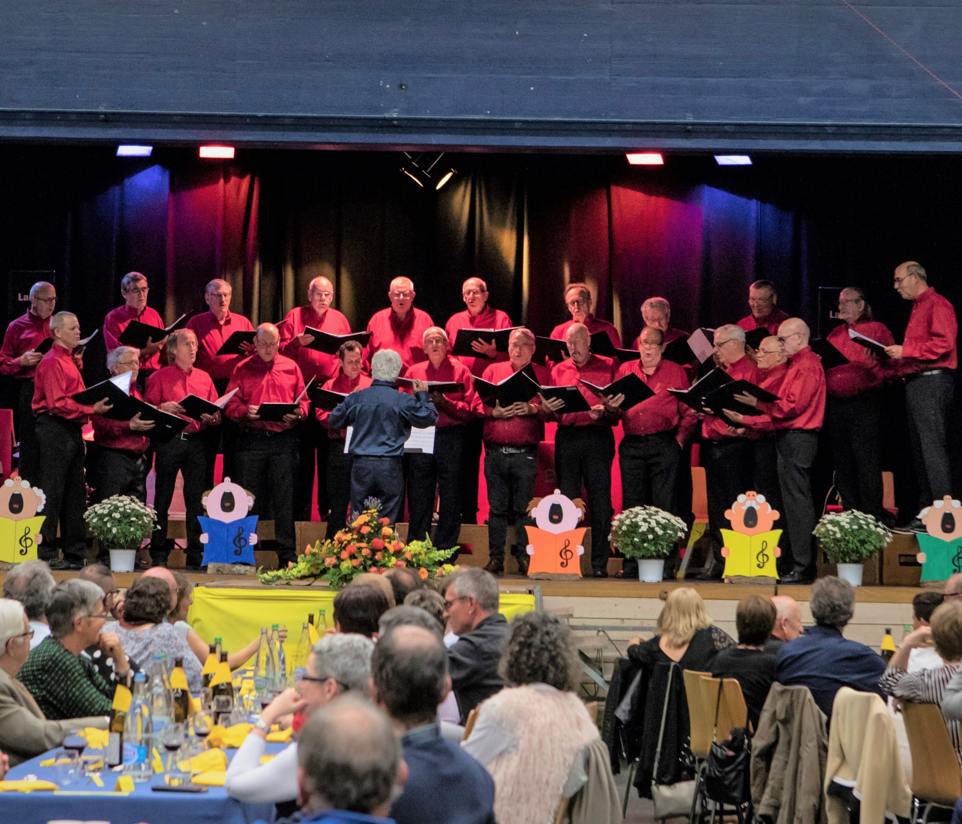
{"x": 20, "y": 522}
{"x": 751, "y": 545}
{"x": 941, "y": 546}
{"x": 555, "y": 544}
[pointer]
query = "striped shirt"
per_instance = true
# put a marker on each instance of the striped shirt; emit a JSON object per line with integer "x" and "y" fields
{"x": 923, "y": 687}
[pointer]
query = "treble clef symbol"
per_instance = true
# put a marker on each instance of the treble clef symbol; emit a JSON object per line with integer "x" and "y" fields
{"x": 240, "y": 542}
{"x": 25, "y": 541}
{"x": 762, "y": 557}
{"x": 957, "y": 560}
{"x": 565, "y": 554}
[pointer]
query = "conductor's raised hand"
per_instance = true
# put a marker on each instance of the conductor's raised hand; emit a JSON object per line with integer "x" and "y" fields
{"x": 419, "y": 386}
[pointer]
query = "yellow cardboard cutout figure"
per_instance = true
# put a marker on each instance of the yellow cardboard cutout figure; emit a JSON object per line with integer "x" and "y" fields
{"x": 941, "y": 545}
{"x": 751, "y": 546}
{"x": 19, "y": 522}
{"x": 555, "y": 544}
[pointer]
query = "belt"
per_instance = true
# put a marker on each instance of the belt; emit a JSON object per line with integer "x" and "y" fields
{"x": 931, "y": 372}
{"x": 189, "y": 436}
{"x": 511, "y": 450}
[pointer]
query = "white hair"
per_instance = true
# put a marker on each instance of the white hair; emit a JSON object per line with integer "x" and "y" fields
{"x": 734, "y": 332}
{"x": 11, "y": 621}
{"x": 386, "y": 365}
{"x": 424, "y": 337}
{"x": 114, "y": 356}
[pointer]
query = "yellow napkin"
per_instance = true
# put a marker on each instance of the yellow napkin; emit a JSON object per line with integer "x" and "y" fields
{"x": 96, "y": 739}
{"x": 26, "y": 786}
{"x": 206, "y": 761}
{"x": 230, "y": 737}
{"x": 280, "y": 735}
{"x": 221, "y": 675}
{"x": 157, "y": 762}
{"x": 210, "y": 664}
{"x": 247, "y": 686}
{"x": 125, "y": 784}
{"x": 266, "y": 759}
{"x": 211, "y": 778}
{"x": 49, "y": 762}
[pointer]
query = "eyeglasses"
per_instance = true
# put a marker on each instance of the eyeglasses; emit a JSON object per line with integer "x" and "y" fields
{"x": 472, "y": 293}
{"x": 898, "y": 281}
{"x": 28, "y": 634}
{"x": 448, "y": 604}
{"x": 753, "y": 301}
{"x": 844, "y": 302}
{"x": 769, "y": 352}
{"x": 575, "y": 304}
{"x": 782, "y": 340}
{"x": 402, "y": 295}
{"x": 46, "y": 300}
{"x": 322, "y": 294}
{"x": 137, "y": 290}
{"x": 721, "y": 343}
{"x": 321, "y": 679}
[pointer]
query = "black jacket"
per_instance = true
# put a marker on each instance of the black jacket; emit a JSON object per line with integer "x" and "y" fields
{"x": 473, "y": 663}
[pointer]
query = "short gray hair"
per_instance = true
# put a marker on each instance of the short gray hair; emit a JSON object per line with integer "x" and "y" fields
{"x": 11, "y": 621}
{"x": 114, "y": 356}
{"x": 174, "y": 341}
{"x": 58, "y": 320}
{"x": 129, "y": 278}
{"x": 386, "y": 365}
{"x": 409, "y": 616}
{"x": 69, "y": 600}
{"x": 345, "y": 657}
{"x": 657, "y": 303}
{"x": 475, "y": 582}
{"x": 735, "y": 332}
{"x": 832, "y": 602}
{"x": 213, "y": 284}
{"x": 30, "y": 583}
{"x": 349, "y": 754}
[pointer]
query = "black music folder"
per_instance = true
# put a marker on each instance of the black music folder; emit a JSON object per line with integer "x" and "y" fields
{"x": 520, "y": 387}
{"x": 466, "y": 336}
{"x": 444, "y": 387}
{"x": 755, "y": 337}
{"x": 678, "y": 351}
{"x": 549, "y": 349}
{"x": 695, "y": 395}
{"x": 329, "y": 344}
{"x": 44, "y": 346}
{"x": 831, "y": 356}
{"x": 325, "y": 398}
{"x": 232, "y": 346}
{"x": 724, "y": 398}
{"x": 195, "y": 406}
{"x": 601, "y": 345}
{"x": 573, "y": 399}
{"x": 275, "y": 412}
{"x": 872, "y": 345}
{"x": 634, "y": 389}
{"x": 139, "y": 334}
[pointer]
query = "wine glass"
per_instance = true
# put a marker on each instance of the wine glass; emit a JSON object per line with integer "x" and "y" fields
{"x": 203, "y": 724}
{"x": 172, "y": 739}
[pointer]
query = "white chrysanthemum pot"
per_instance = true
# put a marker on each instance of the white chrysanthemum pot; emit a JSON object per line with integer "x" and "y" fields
{"x": 122, "y": 560}
{"x": 651, "y": 570}
{"x": 851, "y": 573}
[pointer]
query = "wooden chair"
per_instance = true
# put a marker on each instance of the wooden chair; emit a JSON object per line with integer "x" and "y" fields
{"x": 936, "y": 777}
{"x": 701, "y": 717}
{"x": 561, "y": 814}
{"x": 725, "y": 710}
{"x": 470, "y": 722}
{"x": 592, "y": 707}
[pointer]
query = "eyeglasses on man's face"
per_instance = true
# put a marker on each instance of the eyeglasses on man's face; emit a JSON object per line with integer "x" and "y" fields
{"x": 898, "y": 281}
{"x": 788, "y": 337}
{"x": 448, "y": 604}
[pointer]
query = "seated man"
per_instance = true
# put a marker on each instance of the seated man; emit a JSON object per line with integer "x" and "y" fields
{"x": 358, "y": 608}
{"x": 822, "y": 659}
{"x": 104, "y": 578}
{"x": 788, "y": 623}
{"x": 31, "y": 583}
{"x": 410, "y": 678}
{"x": 923, "y": 605}
{"x": 63, "y": 682}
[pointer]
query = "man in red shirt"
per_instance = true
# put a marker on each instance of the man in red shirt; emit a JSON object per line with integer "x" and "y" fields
{"x": 295, "y": 344}
{"x": 60, "y": 422}
{"x": 511, "y": 438}
{"x": 927, "y": 359}
{"x": 656, "y": 431}
{"x": 855, "y": 406}
{"x": 440, "y": 471}
{"x": 185, "y": 452}
{"x": 349, "y": 378}
{"x": 584, "y": 444}
{"x": 478, "y": 315}
{"x": 400, "y": 327}
{"x": 656, "y": 312}
{"x": 267, "y": 450}
{"x": 134, "y": 288}
{"x": 578, "y": 300}
{"x": 765, "y": 314}
{"x": 19, "y": 358}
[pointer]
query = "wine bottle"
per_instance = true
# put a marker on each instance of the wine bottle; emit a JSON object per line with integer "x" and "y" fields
{"x": 180, "y": 691}
{"x": 118, "y": 717}
{"x": 222, "y": 693}
{"x": 210, "y": 666}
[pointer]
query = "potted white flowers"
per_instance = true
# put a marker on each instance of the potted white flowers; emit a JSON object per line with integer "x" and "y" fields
{"x": 849, "y": 539}
{"x": 647, "y": 534}
{"x": 121, "y": 524}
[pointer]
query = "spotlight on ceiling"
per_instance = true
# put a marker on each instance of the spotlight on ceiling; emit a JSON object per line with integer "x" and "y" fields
{"x": 217, "y": 152}
{"x": 733, "y": 160}
{"x": 134, "y": 151}
{"x": 420, "y": 168}
{"x": 646, "y": 159}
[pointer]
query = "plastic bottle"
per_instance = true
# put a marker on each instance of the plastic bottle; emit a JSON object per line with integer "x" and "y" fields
{"x": 301, "y": 654}
{"x": 138, "y": 746}
{"x": 322, "y": 619}
{"x": 280, "y": 660}
{"x": 158, "y": 695}
{"x": 264, "y": 669}
{"x": 220, "y": 647}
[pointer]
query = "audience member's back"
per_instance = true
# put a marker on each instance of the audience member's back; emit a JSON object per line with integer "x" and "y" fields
{"x": 358, "y": 608}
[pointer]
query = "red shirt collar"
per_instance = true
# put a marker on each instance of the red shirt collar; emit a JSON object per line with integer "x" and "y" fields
{"x": 401, "y": 325}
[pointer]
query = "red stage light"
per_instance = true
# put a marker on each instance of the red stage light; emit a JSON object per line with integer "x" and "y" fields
{"x": 217, "y": 152}
{"x": 646, "y": 159}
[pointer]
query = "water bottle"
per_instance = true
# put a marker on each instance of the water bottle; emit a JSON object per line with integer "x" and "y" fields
{"x": 138, "y": 742}
{"x": 264, "y": 669}
{"x": 301, "y": 653}
{"x": 280, "y": 661}
{"x": 158, "y": 695}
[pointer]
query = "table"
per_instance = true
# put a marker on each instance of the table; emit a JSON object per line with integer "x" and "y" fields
{"x": 89, "y": 802}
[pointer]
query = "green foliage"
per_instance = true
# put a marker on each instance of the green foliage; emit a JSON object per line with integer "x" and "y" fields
{"x": 851, "y": 537}
{"x": 646, "y": 532}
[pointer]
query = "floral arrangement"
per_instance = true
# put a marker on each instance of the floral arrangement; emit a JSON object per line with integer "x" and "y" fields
{"x": 121, "y": 522}
{"x": 851, "y": 537}
{"x": 646, "y": 532}
{"x": 370, "y": 544}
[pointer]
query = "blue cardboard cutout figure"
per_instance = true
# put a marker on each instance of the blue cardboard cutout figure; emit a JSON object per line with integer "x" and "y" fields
{"x": 229, "y": 534}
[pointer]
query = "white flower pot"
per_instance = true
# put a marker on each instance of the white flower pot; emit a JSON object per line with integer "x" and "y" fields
{"x": 851, "y": 573}
{"x": 123, "y": 560}
{"x": 651, "y": 571}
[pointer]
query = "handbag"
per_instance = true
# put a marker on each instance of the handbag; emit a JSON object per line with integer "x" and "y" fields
{"x": 670, "y": 799}
{"x": 727, "y": 772}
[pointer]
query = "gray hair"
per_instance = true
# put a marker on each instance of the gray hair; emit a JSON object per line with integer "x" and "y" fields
{"x": 475, "y": 582}
{"x": 212, "y": 285}
{"x": 409, "y": 616}
{"x": 58, "y": 320}
{"x": 832, "y": 602}
{"x": 69, "y": 600}
{"x": 765, "y": 284}
{"x": 129, "y": 278}
{"x": 429, "y": 600}
{"x": 30, "y": 583}
{"x": 349, "y": 754}
{"x": 11, "y": 621}
{"x": 657, "y": 303}
{"x": 174, "y": 341}
{"x": 424, "y": 336}
{"x": 345, "y": 657}
{"x": 735, "y": 332}
{"x": 114, "y": 356}
{"x": 410, "y": 669}
{"x": 913, "y": 268}
{"x": 35, "y": 289}
{"x": 523, "y": 332}
{"x": 386, "y": 365}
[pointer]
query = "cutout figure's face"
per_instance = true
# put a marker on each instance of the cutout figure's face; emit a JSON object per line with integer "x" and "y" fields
{"x": 19, "y": 501}
{"x": 943, "y": 519}
{"x": 751, "y": 514}
{"x": 228, "y": 502}
{"x": 556, "y": 513}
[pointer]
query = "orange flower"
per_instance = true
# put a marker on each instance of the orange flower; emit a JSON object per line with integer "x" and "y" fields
{"x": 377, "y": 543}
{"x": 366, "y": 553}
{"x": 356, "y": 562}
{"x": 384, "y": 521}
{"x": 386, "y": 532}
{"x": 397, "y": 546}
{"x": 344, "y": 555}
{"x": 399, "y": 563}
{"x": 290, "y": 565}
{"x": 407, "y": 555}
{"x": 378, "y": 557}
{"x": 365, "y": 530}
{"x": 329, "y": 562}
{"x": 423, "y": 574}
{"x": 351, "y": 549}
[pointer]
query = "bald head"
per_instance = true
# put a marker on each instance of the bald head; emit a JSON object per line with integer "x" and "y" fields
{"x": 953, "y": 586}
{"x": 165, "y": 575}
{"x": 793, "y": 335}
{"x": 769, "y": 353}
{"x": 579, "y": 343}
{"x": 265, "y": 341}
{"x": 788, "y": 620}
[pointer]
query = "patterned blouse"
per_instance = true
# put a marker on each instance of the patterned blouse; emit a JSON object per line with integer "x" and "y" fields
{"x": 923, "y": 687}
{"x": 141, "y": 645}
{"x": 65, "y": 685}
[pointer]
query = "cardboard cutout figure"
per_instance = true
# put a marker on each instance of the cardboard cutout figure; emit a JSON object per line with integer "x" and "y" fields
{"x": 941, "y": 547}
{"x": 556, "y": 542}
{"x": 229, "y": 534}
{"x": 751, "y": 546}
{"x": 19, "y": 522}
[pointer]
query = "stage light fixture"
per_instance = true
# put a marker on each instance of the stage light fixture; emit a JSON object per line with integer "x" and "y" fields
{"x": 733, "y": 160}
{"x": 446, "y": 177}
{"x": 134, "y": 151}
{"x": 646, "y": 159}
{"x": 217, "y": 152}
{"x": 420, "y": 169}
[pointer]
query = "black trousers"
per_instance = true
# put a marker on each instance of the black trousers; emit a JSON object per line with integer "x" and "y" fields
{"x": 855, "y": 429}
{"x": 585, "y": 454}
{"x": 728, "y": 473}
{"x": 928, "y": 401}
{"x": 796, "y": 454}
{"x": 510, "y": 477}
{"x": 267, "y": 465}
{"x": 338, "y": 486}
{"x": 26, "y": 427}
{"x": 313, "y": 442}
{"x": 765, "y": 452}
{"x": 62, "y": 480}
{"x": 441, "y": 472}
{"x": 122, "y": 472}
{"x": 189, "y": 457}
{"x": 470, "y": 465}
{"x": 377, "y": 477}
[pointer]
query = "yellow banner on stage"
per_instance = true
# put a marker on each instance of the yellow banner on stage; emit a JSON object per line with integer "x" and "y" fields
{"x": 237, "y": 615}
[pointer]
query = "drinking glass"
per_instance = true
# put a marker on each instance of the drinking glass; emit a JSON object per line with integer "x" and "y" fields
{"x": 203, "y": 724}
{"x": 172, "y": 739}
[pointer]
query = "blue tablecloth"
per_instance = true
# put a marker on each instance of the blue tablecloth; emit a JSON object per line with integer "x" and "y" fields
{"x": 142, "y": 805}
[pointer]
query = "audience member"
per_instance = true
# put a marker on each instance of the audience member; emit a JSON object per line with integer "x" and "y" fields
{"x": 471, "y": 604}
{"x": 31, "y": 583}
{"x": 788, "y": 623}
{"x": 822, "y": 659}
{"x": 430, "y": 601}
{"x": 528, "y": 735}
{"x": 104, "y": 578}
{"x": 409, "y": 677}
{"x": 403, "y": 580}
{"x": 749, "y": 663}
{"x": 24, "y": 731}
{"x": 686, "y": 635}
{"x": 379, "y": 581}
{"x": 339, "y": 663}
{"x": 144, "y": 631}
{"x": 65, "y": 683}
{"x": 927, "y": 686}
{"x": 358, "y": 608}
{"x": 923, "y": 605}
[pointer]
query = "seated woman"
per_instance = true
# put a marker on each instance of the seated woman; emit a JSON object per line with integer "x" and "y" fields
{"x": 24, "y": 730}
{"x": 685, "y": 635}
{"x": 527, "y": 735}
{"x": 748, "y": 663}
{"x": 928, "y": 686}
{"x": 143, "y": 630}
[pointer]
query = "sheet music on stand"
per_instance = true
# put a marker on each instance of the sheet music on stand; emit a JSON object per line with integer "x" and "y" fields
{"x": 420, "y": 441}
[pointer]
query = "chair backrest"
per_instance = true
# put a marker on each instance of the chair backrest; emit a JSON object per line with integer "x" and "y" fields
{"x": 701, "y": 716}
{"x": 733, "y": 712}
{"x": 936, "y": 775}
{"x": 470, "y": 722}
{"x": 592, "y": 707}
{"x": 699, "y": 493}
{"x": 561, "y": 813}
